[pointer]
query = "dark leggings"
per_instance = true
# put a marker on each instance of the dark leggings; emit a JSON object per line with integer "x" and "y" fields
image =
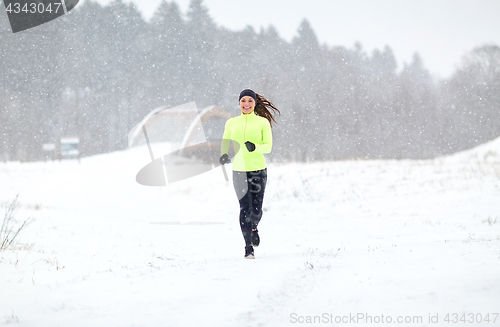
{"x": 250, "y": 187}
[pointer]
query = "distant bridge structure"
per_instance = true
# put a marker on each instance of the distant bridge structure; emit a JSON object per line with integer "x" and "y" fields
{"x": 172, "y": 129}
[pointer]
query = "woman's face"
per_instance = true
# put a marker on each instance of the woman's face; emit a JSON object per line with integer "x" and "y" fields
{"x": 247, "y": 104}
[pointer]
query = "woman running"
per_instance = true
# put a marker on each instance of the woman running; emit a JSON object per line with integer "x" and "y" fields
{"x": 252, "y": 138}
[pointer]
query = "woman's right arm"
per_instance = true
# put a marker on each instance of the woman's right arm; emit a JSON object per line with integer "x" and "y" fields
{"x": 226, "y": 138}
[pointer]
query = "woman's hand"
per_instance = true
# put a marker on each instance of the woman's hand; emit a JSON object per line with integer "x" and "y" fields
{"x": 250, "y": 146}
{"x": 224, "y": 159}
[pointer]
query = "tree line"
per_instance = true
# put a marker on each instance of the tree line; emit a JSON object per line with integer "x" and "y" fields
{"x": 95, "y": 72}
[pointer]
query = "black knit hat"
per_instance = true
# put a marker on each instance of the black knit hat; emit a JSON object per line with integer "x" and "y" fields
{"x": 249, "y": 93}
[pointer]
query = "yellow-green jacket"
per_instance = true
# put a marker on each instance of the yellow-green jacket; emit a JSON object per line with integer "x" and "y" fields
{"x": 252, "y": 128}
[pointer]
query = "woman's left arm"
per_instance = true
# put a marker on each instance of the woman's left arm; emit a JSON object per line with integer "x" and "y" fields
{"x": 267, "y": 139}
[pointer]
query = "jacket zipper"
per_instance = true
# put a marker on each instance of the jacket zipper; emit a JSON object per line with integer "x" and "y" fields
{"x": 245, "y": 130}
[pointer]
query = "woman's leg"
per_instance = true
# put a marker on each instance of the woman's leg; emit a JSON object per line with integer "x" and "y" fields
{"x": 257, "y": 186}
{"x": 241, "y": 186}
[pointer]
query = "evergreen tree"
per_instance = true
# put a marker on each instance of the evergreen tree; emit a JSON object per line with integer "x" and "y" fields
{"x": 473, "y": 98}
{"x": 168, "y": 59}
{"x": 201, "y": 41}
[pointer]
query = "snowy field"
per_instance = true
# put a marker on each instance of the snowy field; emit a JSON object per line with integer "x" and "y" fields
{"x": 343, "y": 243}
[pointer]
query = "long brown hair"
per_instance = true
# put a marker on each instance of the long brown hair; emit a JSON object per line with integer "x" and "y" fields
{"x": 263, "y": 108}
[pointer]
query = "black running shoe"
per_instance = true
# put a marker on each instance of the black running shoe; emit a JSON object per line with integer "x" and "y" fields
{"x": 249, "y": 252}
{"x": 255, "y": 237}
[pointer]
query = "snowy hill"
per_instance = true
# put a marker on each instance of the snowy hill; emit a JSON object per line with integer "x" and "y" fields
{"x": 487, "y": 152}
{"x": 403, "y": 239}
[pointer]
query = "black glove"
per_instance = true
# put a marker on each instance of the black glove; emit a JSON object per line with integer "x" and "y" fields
{"x": 224, "y": 159}
{"x": 250, "y": 146}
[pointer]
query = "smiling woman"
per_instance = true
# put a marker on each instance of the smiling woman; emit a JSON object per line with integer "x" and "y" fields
{"x": 253, "y": 129}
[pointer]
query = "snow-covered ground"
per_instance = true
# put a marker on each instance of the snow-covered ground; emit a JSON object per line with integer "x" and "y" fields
{"x": 351, "y": 242}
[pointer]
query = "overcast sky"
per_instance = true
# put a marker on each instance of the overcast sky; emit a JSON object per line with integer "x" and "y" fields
{"x": 441, "y": 31}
